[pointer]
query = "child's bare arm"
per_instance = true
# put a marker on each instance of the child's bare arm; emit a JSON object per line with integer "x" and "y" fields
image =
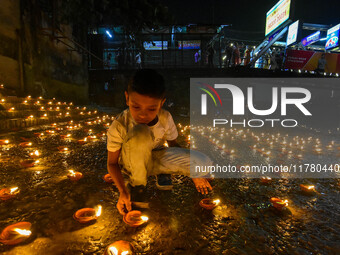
{"x": 124, "y": 202}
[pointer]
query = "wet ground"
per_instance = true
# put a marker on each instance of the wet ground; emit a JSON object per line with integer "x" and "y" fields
{"x": 244, "y": 223}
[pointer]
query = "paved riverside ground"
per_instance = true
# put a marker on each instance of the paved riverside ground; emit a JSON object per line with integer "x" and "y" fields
{"x": 244, "y": 223}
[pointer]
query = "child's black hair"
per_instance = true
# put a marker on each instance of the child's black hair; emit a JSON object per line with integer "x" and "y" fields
{"x": 147, "y": 82}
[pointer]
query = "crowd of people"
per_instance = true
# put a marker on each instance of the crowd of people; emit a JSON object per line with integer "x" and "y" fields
{"x": 235, "y": 54}
{"x": 232, "y": 54}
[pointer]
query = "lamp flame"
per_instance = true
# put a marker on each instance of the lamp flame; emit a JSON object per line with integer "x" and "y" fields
{"x": 113, "y": 250}
{"x": 144, "y": 218}
{"x": 13, "y": 190}
{"x": 216, "y": 201}
{"x": 23, "y": 232}
{"x": 99, "y": 211}
{"x": 72, "y": 172}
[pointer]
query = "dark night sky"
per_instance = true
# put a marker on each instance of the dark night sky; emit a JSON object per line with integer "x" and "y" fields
{"x": 249, "y": 15}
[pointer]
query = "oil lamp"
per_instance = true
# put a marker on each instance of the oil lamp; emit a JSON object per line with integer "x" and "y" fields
{"x": 15, "y": 233}
{"x": 278, "y": 203}
{"x": 209, "y": 203}
{"x": 63, "y": 149}
{"x": 135, "y": 218}
{"x": 6, "y": 194}
{"x": 4, "y": 142}
{"x": 119, "y": 248}
{"x": 74, "y": 176}
{"x": 29, "y": 163}
{"x": 35, "y": 154}
{"x": 265, "y": 179}
{"x": 25, "y": 144}
{"x": 87, "y": 215}
{"x": 82, "y": 141}
{"x": 307, "y": 188}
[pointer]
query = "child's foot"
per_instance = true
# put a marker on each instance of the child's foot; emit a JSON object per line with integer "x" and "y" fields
{"x": 202, "y": 185}
{"x": 138, "y": 196}
{"x": 163, "y": 182}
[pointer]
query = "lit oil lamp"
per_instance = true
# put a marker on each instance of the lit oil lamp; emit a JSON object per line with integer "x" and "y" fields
{"x": 29, "y": 163}
{"x": 278, "y": 203}
{"x": 119, "y": 248}
{"x": 25, "y": 144}
{"x": 4, "y": 142}
{"x": 107, "y": 178}
{"x": 209, "y": 203}
{"x": 82, "y": 141}
{"x": 35, "y": 154}
{"x": 6, "y": 194}
{"x": 74, "y": 176}
{"x": 63, "y": 149}
{"x": 16, "y": 233}
{"x": 12, "y": 109}
{"x": 135, "y": 218}
{"x": 265, "y": 180}
{"x": 317, "y": 150}
{"x": 92, "y": 137}
{"x": 87, "y": 215}
{"x": 65, "y": 136}
{"x": 307, "y": 188}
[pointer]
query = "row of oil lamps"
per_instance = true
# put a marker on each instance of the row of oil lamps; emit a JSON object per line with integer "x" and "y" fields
{"x": 19, "y": 232}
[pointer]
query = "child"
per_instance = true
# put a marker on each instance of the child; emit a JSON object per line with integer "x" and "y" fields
{"x": 136, "y": 136}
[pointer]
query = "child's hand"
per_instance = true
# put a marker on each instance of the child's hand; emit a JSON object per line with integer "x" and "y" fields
{"x": 202, "y": 185}
{"x": 124, "y": 204}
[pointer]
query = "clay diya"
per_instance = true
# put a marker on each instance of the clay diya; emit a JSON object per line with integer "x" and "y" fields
{"x": 120, "y": 248}
{"x": 25, "y": 144}
{"x": 278, "y": 203}
{"x": 135, "y": 218}
{"x": 62, "y": 149}
{"x": 35, "y": 154}
{"x": 4, "y": 142}
{"x": 317, "y": 151}
{"x": 209, "y": 203}
{"x": 65, "y": 136}
{"x": 87, "y": 215}
{"x": 92, "y": 137}
{"x": 6, "y": 194}
{"x": 29, "y": 163}
{"x": 74, "y": 176}
{"x": 15, "y": 233}
{"x": 83, "y": 141}
{"x": 307, "y": 188}
{"x": 107, "y": 178}
{"x": 265, "y": 180}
